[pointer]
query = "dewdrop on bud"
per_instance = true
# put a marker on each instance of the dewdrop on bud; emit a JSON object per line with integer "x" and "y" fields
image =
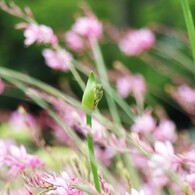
{"x": 92, "y": 94}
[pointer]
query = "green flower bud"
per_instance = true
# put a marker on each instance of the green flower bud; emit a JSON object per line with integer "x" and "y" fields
{"x": 92, "y": 94}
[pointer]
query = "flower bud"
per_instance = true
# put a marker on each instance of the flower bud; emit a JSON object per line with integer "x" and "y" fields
{"x": 92, "y": 94}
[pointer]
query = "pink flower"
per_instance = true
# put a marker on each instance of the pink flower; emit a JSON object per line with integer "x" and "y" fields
{"x": 190, "y": 179}
{"x": 58, "y": 60}
{"x": 163, "y": 158}
{"x": 131, "y": 84}
{"x": 124, "y": 85}
{"x": 17, "y": 160}
{"x": 88, "y": 27}
{"x": 186, "y": 93}
{"x": 166, "y": 131}
{"x": 144, "y": 124}
{"x": 137, "y": 41}
{"x": 104, "y": 155}
{"x": 139, "y": 86}
{"x": 40, "y": 34}
{"x": 21, "y": 121}
{"x": 74, "y": 41}
{"x": 2, "y": 86}
{"x": 62, "y": 184}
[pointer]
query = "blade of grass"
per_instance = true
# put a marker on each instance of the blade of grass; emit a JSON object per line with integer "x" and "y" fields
{"x": 189, "y": 24}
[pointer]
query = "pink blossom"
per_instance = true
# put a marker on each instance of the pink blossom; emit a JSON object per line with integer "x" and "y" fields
{"x": 40, "y": 34}
{"x": 144, "y": 124}
{"x": 22, "y": 121}
{"x": 166, "y": 131}
{"x": 2, "y": 86}
{"x": 124, "y": 85}
{"x": 139, "y": 86}
{"x": 74, "y": 41}
{"x": 137, "y": 41}
{"x": 190, "y": 179}
{"x": 134, "y": 84}
{"x": 104, "y": 155}
{"x": 88, "y": 27}
{"x": 17, "y": 160}
{"x": 161, "y": 161}
{"x": 62, "y": 184}
{"x": 186, "y": 93}
{"x": 58, "y": 60}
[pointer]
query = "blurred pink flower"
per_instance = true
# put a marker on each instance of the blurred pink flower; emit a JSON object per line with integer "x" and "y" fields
{"x": 19, "y": 121}
{"x": 137, "y": 41}
{"x": 104, "y": 154}
{"x": 88, "y": 27}
{"x": 17, "y": 160}
{"x": 124, "y": 85}
{"x": 40, "y": 34}
{"x": 62, "y": 184}
{"x": 74, "y": 41}
{"x": 190, "y": 179}
{"x": 139, "y": 87}
{"x": 186, "y": 93}
{"x": 144, "y": 124}
{"x": 161, "y": 161}
{"x": 131, "y": 84}
{"x": 58, "y": 60}
{"x": 166, "y": 131}
{"x": 2, "y": 86}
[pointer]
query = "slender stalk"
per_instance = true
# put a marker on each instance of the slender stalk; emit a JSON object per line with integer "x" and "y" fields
{"x": 189, "y": 24}
{"x": 105, "y": 81}
{"x": 92, "y": 154}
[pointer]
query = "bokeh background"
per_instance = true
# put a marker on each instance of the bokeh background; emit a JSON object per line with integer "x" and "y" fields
{"x": 164, "y": 17}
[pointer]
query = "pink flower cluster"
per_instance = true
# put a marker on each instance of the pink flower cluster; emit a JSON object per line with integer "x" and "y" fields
{"x": 84, "y": 28}
{"x": 56, "y": 185}
{"x": 137, "y": 41}
{"x": 58, "y": 59}
{"x": 17, "y": 159}
{"x": 146, "y": 124}
{"x": 35, "y": 33}
{"x": 131, "y": 84}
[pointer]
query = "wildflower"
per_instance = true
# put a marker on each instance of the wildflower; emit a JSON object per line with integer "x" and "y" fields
{"x": 137, "y": 41}
{"x": 17, "y": 159}
{"x": 40, "y": 34}
{"x": 2, "y": 86}
{"x": 162, "y": 159}
{"x": 139, "y": 87}
{"x": 190, "y": 179}
{"x": 131, "y": 84}
{"x": 74, "y": 41}
{"x": 88, "y": 27}
{"x": 166, "y": 131}
{"x": 144, "y": 124}
{"x": 124, "y": 85}
{"x": 58, "y": 60}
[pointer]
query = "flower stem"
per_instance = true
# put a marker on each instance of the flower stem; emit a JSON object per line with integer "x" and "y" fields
{"x": 92, "y": 155}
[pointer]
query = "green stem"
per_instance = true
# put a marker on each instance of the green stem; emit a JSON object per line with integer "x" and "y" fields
{"x": 189, "y": 23}
{"x": 92, "y": 154}
{"x": 106, "y": 84}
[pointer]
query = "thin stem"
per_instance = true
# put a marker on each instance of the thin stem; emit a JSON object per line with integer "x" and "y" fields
{"x": 189, "y": 23}
{"x": 77, "y": 77}
{"x": 92, "y": 155}
{"x": 105, "y": 81}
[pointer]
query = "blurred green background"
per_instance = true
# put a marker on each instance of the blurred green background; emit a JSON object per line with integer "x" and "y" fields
{"x": 121, "y": 13}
